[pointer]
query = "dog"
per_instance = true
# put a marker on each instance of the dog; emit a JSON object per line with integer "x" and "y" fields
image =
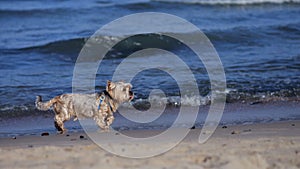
{"x": 99, "y": 106}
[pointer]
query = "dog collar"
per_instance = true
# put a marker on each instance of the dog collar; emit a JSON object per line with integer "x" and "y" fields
{"x": 102, "y": 98}
{"x": 107, "y": 94}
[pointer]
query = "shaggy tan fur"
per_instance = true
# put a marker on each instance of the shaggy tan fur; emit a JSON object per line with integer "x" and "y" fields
{"x": 69, "y": 106}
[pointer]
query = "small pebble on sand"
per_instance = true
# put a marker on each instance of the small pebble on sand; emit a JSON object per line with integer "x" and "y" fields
{"x": 235, "y": 132}
{"x": 45, "y": 134}
{"x": 247, "y": 130}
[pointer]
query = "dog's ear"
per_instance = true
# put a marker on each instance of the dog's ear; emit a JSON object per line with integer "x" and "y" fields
{"x": 110, "y": 85}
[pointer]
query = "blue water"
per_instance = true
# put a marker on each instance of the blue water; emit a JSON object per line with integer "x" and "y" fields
{"x": 258, "y": 43}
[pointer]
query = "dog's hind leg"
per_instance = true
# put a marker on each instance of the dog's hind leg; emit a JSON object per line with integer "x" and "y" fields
{"x": 61, "y": 115}
{"x": 59, "y": 124}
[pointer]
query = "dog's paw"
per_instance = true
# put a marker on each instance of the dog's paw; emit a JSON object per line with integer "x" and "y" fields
{"x": 63, "y": 131}
{"x": 105, "y": 129}
{"x": 102, "y": 131}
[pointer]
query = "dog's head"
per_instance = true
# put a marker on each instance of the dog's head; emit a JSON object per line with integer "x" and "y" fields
{"x": 120, "y": 91}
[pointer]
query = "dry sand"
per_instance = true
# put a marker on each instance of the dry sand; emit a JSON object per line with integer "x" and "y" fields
{"x": 266, "y": 146}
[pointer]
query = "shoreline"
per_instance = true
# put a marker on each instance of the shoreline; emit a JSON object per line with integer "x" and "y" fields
{"x": 267, "y": 145}
{"x": 234, "y": 114}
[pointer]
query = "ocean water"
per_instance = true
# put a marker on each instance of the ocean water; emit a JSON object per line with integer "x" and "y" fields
{"x": 257, "y": 40}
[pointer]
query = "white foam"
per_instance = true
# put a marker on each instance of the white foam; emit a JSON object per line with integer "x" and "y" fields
{"x": 157, "y": 101}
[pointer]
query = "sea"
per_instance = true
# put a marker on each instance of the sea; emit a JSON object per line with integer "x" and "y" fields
{"x": 258, "y": 42}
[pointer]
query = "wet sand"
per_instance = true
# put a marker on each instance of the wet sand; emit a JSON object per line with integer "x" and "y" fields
{"x": 273, "y": 145}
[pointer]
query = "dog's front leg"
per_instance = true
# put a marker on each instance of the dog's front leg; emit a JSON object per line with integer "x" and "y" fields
{"x": 100, "y": 120}
{"x": 109, "y": 120}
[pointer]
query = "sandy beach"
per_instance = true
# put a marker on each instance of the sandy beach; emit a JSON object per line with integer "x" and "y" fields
{"x": 265, "y": 146}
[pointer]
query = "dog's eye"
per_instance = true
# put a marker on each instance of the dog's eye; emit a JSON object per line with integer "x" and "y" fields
{"x": 124, "y": 89}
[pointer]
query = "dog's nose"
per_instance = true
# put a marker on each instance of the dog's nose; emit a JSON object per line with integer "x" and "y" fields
{"x": 130, "y": 93}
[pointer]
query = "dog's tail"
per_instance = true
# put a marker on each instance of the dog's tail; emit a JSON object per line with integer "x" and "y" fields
{"x": 44, "y": 105}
